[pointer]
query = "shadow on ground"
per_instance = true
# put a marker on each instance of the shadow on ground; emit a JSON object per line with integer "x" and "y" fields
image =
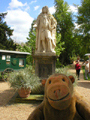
{"x": 85, "y": 84}
{"x": 5, "y": 96}
{"x": 9, "y": 97}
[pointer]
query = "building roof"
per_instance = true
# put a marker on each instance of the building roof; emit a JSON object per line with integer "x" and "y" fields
{"x": 88, "y": 54}
{"x": 15, "y": 52}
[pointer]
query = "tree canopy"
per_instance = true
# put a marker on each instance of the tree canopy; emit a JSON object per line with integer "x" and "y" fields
{"x": 29, "y": 46}
{"x": 65, "y": 27}
{"x": 5, "y": 35}
{"x": 70, "y": 41}
{"x": 84, "y": 17}
{"x": 83, "y": 20}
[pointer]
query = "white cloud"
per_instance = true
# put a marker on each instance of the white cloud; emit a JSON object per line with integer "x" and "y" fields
{"x": 16, "y": 4}
{"x": 27, "y": 8}
{"x": 36, "y": 7}
{"x": 33, "y": 1}
{"x": 20, "y": 21}
{"x": 73, "y": 9}
{"x": 52, "y": 10}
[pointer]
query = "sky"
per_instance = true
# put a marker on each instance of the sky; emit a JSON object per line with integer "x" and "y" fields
{"x": 21, "y": 13}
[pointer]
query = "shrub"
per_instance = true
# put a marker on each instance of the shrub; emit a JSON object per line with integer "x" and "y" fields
{"x": 23, "y": 78}
{"x": 64, "y": 70}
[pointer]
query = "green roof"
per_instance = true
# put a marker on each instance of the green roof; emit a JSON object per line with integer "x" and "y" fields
{"x": 15, "y": 52}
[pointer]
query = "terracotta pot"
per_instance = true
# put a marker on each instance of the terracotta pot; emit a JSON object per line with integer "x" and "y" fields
{"x": 24, "y": 93}
{"x": 43, "y": 82}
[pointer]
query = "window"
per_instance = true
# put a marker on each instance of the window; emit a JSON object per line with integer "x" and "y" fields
{"x": 21, "y": 63}
{"x": 8, "y": 58}
{"x": 3, "y": 57}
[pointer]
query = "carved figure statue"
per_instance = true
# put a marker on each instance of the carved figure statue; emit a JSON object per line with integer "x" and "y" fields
{"x": 45, "y": 31}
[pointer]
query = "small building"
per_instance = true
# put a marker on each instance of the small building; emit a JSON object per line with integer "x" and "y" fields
{"x": 12, "y": 59}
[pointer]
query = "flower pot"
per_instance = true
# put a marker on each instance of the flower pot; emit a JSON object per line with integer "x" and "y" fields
{"x": 43, "y": 82}
{"x": 24, "y": 92}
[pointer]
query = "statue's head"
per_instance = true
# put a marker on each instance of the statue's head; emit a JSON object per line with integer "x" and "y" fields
{"x": 45, "y": 9}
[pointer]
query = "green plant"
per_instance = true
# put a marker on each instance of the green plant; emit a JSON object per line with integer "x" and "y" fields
{"x": 30, "y": 68}
{"x": 58, "y": 64}
{"x": 23, "y": 78}
{"x": 0, "y": 76}
{"x": 73, "y": 58}
{"x": 65, "y": 70}
{"x": 37, "y": 89}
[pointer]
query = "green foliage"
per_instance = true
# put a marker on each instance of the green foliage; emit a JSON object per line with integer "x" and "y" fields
{"x": 86, "y": 58}
{"x": 0, "y": 76}
{"x": 59, "y": 45}
{"x": 31, "y": 38}
{"x": 76, "y": 41}
{"x": 65, "y": 27}
{"x": 65, "y": 70}
{"x": 26, "y": 48}
{"x": 23, "y": 78}
{"x": 84, "y": 16}
{"x": 26, "y": 78}
{"x": 2, "y": 15}
{"x": 83, "y": 32}
{"x": 73, "y": 58}
{"x": 38, "y": 89}
{"x": 5, "y": 35}
{"x": 58, "y": 64}
{"x": 30, "y": 45}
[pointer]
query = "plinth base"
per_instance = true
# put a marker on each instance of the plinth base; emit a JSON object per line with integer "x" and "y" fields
{"x": 44, "y": 65}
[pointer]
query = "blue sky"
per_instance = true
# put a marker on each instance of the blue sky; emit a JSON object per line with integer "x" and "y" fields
{"x": 21, "y": 13}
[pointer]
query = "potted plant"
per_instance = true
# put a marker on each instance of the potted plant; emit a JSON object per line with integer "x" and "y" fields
{"x": 23, "y": 81}
{"x": 43, "y": 81}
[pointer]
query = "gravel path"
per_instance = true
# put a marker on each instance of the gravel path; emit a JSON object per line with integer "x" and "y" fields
{"x": 22, "y": 111}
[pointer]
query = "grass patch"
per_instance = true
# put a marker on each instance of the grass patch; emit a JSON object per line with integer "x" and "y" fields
{"x": 83, "y": 68}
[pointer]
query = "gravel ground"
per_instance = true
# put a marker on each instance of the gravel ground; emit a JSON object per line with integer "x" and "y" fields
{"x": 21, "y": 111}
{"x": 83, "y": 86}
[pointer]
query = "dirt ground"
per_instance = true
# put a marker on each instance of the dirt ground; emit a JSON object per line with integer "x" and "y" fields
{"x": 21, "y": 111}
{"x": 83, "y": 86}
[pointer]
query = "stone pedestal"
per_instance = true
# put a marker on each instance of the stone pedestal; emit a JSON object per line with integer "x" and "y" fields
{"x": 44, "y": 64}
